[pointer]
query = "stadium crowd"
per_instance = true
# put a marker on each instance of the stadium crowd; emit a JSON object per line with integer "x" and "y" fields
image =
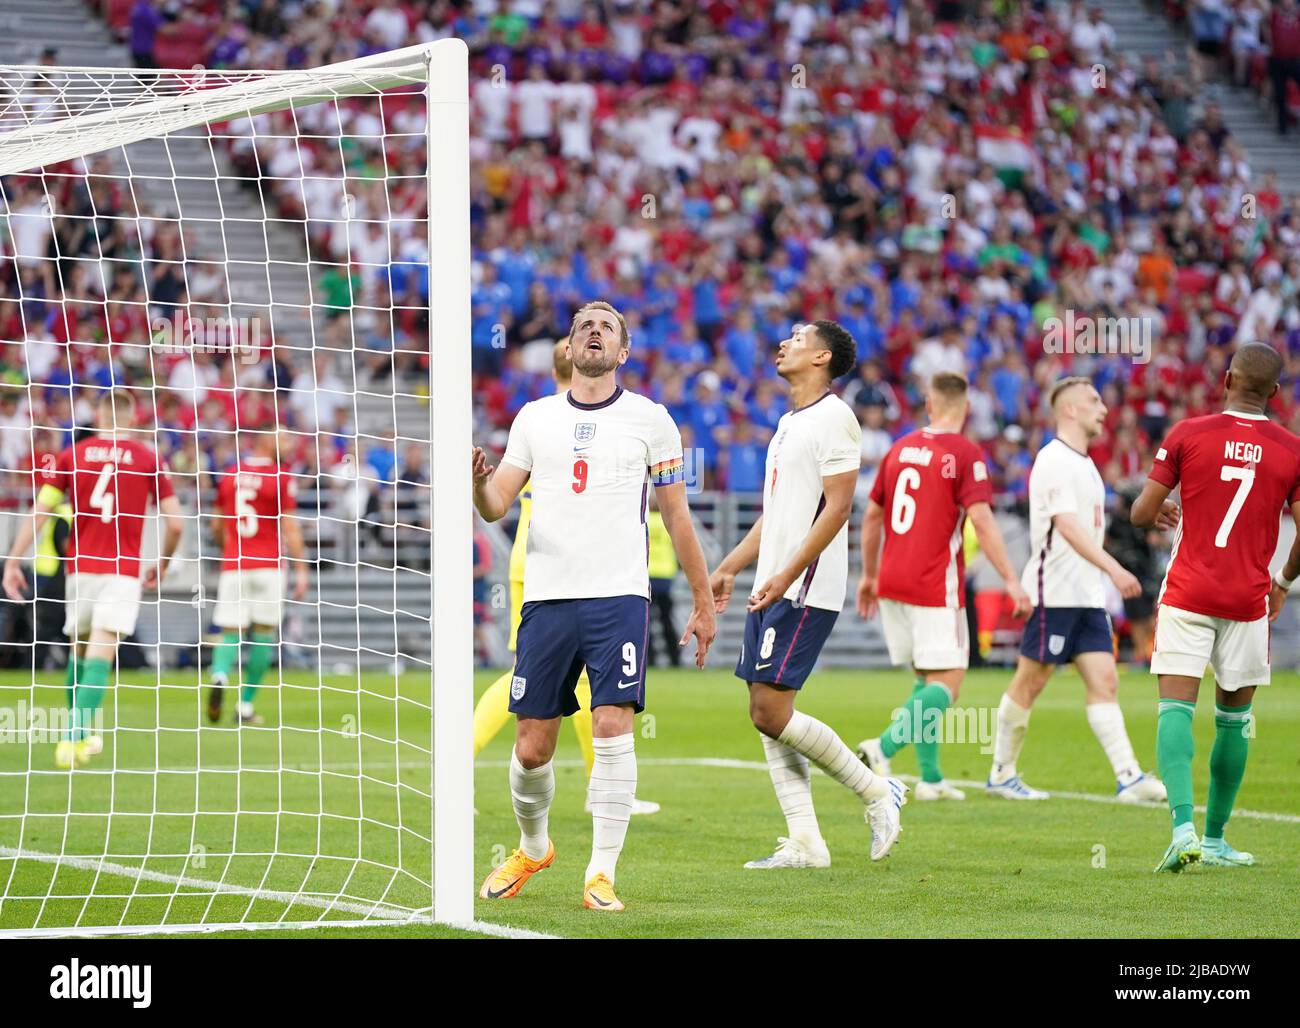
{"x": 941, "y": 177}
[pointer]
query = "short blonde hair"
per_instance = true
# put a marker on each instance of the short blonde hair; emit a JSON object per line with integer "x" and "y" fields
{"x": 561, "y": 362}
{"x": 949, "y": 386}
{"x": 1065, "y": 384}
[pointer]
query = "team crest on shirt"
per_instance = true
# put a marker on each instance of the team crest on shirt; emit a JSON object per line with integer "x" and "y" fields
{"x": 584, "y": 431}
{"x": 517, "y": 687}
{"x": 1055, "y": 644}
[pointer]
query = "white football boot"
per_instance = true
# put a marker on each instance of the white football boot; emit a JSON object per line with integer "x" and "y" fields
{"x": 794, "y": 854}
{"x": 927, "y": 791}
{"x": 1014, "y": 789}
{"x": 870, "y": 753}
{"x": 882, "y": 816}
{"x": 1146, "y": 788}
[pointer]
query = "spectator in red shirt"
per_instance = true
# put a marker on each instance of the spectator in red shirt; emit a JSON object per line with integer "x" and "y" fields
{"x": 1283, "y": 36}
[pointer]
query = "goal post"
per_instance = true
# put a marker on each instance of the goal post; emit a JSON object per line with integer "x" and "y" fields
{"x": 280, "y": 253}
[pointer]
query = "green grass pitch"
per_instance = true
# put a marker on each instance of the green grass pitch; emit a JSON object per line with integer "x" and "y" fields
{"x": 1070, "y": 867}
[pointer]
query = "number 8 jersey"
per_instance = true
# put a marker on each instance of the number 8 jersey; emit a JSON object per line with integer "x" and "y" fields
{"x": 1236, "y": 471}
{"x": 925, "y": 484}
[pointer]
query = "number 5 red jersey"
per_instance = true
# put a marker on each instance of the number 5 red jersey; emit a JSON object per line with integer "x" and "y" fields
{"x": 251, "y": 496}
{"x": 1236, "y": 471}
{"x": 925, "y": 484}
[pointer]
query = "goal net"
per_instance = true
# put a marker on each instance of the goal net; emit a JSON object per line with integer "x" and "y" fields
{"x": 274, "y": 265}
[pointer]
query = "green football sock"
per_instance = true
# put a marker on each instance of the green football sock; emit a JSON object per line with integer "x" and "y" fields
{"x": 1174, "y": 748}
{"x": 225, "y": 655}
{"x": 92, "y": 680}
{"x": 70, "y": 677}
{"x": 259, "y": 659}
{"x": 1227, "y": 765}
{"x": 933, "y": 699}
{"x": 899, "y": 732}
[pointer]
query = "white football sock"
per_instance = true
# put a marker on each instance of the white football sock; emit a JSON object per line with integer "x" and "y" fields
{"x": 1107, "y": 722}
{"x": 824, "y": 748}
{"x": 1013, "y": 722}
{"x": 612, "y": 789}
{"x": 792, "y": 780}
{"x": 531, "y": 792}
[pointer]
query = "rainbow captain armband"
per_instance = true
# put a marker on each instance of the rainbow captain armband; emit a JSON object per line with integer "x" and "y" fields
{"x": 668, "y": 472}
{"x": 49, "y": 497}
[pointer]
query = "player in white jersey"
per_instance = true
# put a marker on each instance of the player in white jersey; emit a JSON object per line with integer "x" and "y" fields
{"x": 592, "y": 453}
{"x": 801, "y": 544}
{"x": 1065, "y": 579}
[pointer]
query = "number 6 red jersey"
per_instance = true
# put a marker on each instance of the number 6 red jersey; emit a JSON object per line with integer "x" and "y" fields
{"x": 1236, "y": 472}
{"x": 109, "y": 483}
{"x": 925, "y": 484}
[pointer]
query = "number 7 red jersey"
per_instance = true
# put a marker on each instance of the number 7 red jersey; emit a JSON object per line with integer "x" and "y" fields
{"x": 926, "y": 483}
{"x": 1236, "y": 471}
{"x": 251, "y": 496}
{"x": 109, "y": 483}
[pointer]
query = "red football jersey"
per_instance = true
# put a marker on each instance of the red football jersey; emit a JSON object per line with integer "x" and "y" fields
{"x": 926, "y": 483}
{"x": 251, "y": 496}
{"x": 109, "y": 483}
{"x": 1236, "y": 471}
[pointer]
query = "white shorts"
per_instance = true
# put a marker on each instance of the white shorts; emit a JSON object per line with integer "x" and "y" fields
{"x": 249, "y": 597}
{"x": 1187, "y": 642}
{"x": 927, "y": 638}
{"x": 110, "y": 602}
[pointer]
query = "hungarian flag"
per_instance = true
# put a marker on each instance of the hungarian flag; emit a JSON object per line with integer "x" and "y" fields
{"x": 1006, "y": 148}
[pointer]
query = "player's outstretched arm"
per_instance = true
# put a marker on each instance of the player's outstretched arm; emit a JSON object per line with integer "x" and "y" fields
{"x": 723, "y": 580}
{"x": 15, "y": 582}
{"x": 495, "y": 490}
{"x": 838, "y": 491}
{"x": 873, "y": 527}
{"x": 1153, "y": 508}
{"x": 681, "y": 529}
{"x": 1069, "y": 529}
{"x": 1280, "y": 587}
{"x": 990, "y": 539}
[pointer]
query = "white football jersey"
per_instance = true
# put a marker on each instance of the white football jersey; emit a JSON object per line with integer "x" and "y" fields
{"x": 1064, "y": 481}
{"x": 591, "y": 467}
{"x": 821, "y": 439}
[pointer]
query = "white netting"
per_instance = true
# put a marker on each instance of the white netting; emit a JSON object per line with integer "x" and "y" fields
{"x": 246, "y": 254}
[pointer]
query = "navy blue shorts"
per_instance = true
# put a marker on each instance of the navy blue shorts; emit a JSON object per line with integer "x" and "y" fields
{"x": 558, "y": 637}
{"x": 782, "y": 643}
{"x": 1055, "y": 635}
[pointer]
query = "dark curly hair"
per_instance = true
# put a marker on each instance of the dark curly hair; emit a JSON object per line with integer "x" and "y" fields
{"x": 844, "y": 351}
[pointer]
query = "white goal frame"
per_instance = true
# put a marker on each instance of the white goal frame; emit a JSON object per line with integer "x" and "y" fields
{"x": 444, "y": 67}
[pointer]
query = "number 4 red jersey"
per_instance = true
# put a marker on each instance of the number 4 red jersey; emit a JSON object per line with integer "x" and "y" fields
{"x": 926, "y": 483}
{"x": 109, "y": 483}
{"x": 1236, "y": 472}
{"x": 251, "y": 496}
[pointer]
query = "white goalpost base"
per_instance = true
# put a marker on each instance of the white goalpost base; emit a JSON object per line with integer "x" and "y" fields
{"x": 352, "y": 806}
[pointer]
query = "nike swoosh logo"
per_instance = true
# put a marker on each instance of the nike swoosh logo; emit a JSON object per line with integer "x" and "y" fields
{"x": 593, "y": 896}
{"x": 759, "y": 667}
{"x": 500, "y": 892}
{"x": 626, "y": 685}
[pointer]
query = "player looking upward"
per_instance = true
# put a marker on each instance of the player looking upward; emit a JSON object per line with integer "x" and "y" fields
{"x": 110, "y": 480}
{"x": 255, "y": 524}
{"x": 591, "y": 454}
{"x": 1067, "y": 526}
{"x": 802, "y": 548}
{"x": 493, "y": 707}
{"x": 1234, "y": 471}
{"x": 930, "y": 481}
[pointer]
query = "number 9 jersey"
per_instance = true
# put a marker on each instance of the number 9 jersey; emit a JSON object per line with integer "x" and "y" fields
{"x": 925, "y": 485}
{"x": 1235, "y": 471}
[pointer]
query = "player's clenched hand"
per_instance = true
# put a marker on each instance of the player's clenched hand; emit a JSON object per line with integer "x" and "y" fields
{"x": 151, "y": 578}
{"x": 482, "y": 469}
{"x": 1020, "y": 604}
{"x": 300, "y": 583}
{"x": 867, "y": 598}
{"x": 769, "y": 592}
{"x": 1126, "y": 583}
{"x": 704, "y": 626}
{"x": 1169, "y": 515}
{"x": 721, "y": 585}
{"x": 1276, "y": 600}
{"x": 15, "y": 582}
